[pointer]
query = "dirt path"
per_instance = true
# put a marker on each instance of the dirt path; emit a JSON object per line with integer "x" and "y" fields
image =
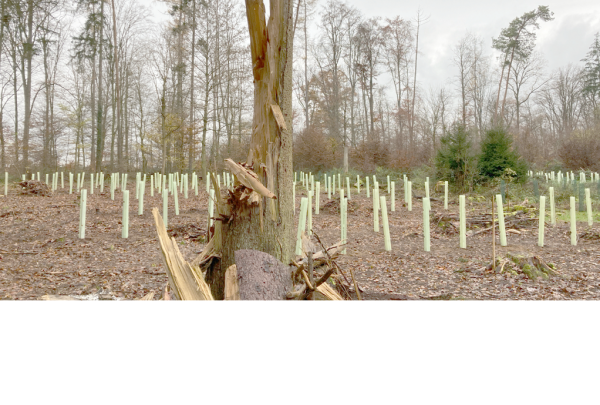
{"x": 40, "y": 252}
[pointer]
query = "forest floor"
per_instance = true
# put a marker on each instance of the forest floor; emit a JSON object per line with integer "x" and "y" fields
{"x": 40, "y": 252}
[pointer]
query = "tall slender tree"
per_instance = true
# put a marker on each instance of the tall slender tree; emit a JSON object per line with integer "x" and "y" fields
{"x": 517, "y": 41}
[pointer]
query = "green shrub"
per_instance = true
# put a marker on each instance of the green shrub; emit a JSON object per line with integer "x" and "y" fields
{"x": 454, "y": 160}
{"x": 497, "y": 155}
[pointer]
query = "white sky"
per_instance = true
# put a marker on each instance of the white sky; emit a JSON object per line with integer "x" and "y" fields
{"x": 564, "y": 40}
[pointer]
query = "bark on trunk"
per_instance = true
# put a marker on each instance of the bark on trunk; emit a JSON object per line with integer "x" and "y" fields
{"x": 267, "y": 226}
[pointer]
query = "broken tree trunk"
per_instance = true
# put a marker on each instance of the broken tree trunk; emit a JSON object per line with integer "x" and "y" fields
{"x": 264, "y": 223}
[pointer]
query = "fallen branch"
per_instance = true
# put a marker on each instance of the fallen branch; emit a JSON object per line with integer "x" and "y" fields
{"x": 19, "y": 253}
{"x": 356, "y": 287}
{"x": 186, "y": 281}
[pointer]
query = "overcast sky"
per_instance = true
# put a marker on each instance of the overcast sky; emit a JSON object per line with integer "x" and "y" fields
{"x": 564, "y": 40}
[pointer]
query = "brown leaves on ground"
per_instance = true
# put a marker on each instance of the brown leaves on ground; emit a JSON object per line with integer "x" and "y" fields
{"x": 40, "y": 252}
{"x": 448, "y": 272}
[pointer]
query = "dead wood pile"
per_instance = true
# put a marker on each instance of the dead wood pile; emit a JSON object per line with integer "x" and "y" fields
{"x": 35, "y": 187}
{"x": 333, "y": 206}
{"x": 449, "y": 224}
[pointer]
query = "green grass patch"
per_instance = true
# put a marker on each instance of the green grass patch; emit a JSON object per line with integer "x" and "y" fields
{"x": 579, "y": 216}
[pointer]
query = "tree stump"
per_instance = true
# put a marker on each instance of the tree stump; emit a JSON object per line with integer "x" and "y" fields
{"x": 261, "y": 276}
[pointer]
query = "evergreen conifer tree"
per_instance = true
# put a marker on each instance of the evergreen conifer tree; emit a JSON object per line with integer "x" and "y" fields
{"x": 497, "y": 156}
{"x": 455, "y": 161}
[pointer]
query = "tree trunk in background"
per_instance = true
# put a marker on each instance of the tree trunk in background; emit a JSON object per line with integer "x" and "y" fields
{"x": 113, "y": 121}
{"x": 16, "y": 98}
{"x": 117, "y": 88}
{"x": 268, "y": 227}
{"x": 99, "y": 126}
{"x": 414, "y": 93}
{"x": 306, "y": 116}
{"x": 26, "y": 72}
{"x": 124, "y": 120}
{"x": 192, "y": 126}
{"x": 345, "y": 158}
{"x": 46, "y": 138}
{"x": 93, "y": 156}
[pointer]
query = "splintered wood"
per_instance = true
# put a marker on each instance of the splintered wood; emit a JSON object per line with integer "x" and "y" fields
{"x": 248, "y": 178}
{"x": 278, "y": 117}
{"x": 232, "y": 286}
{"x": 186, "y": 281}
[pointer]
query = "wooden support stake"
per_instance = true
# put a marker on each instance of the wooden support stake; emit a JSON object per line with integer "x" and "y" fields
{"x": 318, "y": 198}
{"x": 343, "y": 219}
{"x": 141, "y": 199}
{"x": 501, "y": 227}
{"x": 125, "y": 221}
{"x": 493, "y": 237}
{"x": 83, "y": 203}
{"x": 573, "y": 223}
{"x": 552, "y": 207}
{"x": 588, "y": 203}
{"x": 301, "y": 224}
{"x": 113, "y": 185}
{"x": 176, "y": 201}
{"x": 542, "y": 221}
{"x": 445, "y": 195}
{"x": 348, "y": 187}
{"x": 211, "y": 207}
{"x": 376, "y": 207}
{"x": 310, "y": 208}
{"x": 426, "y": 236}
{"x": 386, "y": 225}
{"x": 463, "y": 222}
